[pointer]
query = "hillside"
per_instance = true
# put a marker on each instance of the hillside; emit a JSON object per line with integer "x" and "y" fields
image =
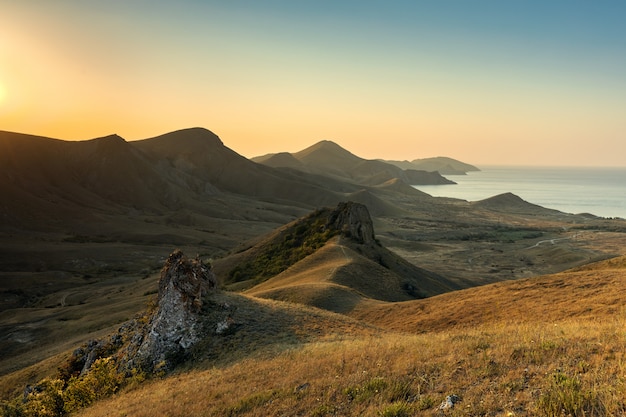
{"x": 588, "y": 292}
{"x": 87, "y": 179}
{"x": 46, "y": 181}
{"x": 508, "y": 202}
{"x": 328, "y": 259}
{"x": 325, "y": 316}
{"x": 211, "y": 166}
{"x": 504, "y": 356}
{"x": 328, "y": 158}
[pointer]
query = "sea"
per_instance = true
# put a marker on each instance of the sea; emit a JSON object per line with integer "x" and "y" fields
{"x": 598, "y": 191}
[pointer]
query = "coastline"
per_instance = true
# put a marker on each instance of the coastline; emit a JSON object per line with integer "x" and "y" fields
{"x": 600, "y": 191}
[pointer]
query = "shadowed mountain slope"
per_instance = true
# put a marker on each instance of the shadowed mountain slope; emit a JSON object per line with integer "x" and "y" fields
{"x": 279, "y": 160}
{"x": 49, "y": 183}
{"x": 328, "y": 158}
{"x": 376, "y": 205}
{"x": 201, "y": 155}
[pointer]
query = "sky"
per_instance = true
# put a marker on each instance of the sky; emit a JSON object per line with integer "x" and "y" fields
{"x": 486, "y": 82}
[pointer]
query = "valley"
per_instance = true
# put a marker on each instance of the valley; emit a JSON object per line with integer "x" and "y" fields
{"x": 86, "y": 228}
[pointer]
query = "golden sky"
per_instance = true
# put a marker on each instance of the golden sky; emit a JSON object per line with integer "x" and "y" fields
{"x": 487, "y": 82}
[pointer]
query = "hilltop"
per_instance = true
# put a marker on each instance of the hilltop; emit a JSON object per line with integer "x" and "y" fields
{"x": 329, "y": 259}
{"x": 328, "y": 158}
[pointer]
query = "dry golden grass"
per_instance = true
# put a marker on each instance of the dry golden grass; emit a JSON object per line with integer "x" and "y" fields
{"x": 342, "y": 274}
{"x": 554, "y": 346}
{"x": 596, "y": 290}
{"x": 496, "y": 371}
{"x": 497, "y": 347}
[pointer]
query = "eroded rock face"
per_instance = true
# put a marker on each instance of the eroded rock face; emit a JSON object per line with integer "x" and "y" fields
{"x": 353, "y": 220}
{"x": 175, "y": 325}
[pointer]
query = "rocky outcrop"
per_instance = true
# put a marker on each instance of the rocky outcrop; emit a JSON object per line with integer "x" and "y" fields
{"x": 352, "y": 220}
{"x": 161, "y": 338}
{"x": 176, "y": 324}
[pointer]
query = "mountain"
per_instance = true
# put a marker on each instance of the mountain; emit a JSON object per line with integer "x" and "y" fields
{"x": 202, "y": 156}
{"x": 47, "y": 181}
{"x": 441, "y": 164}
{"x": 325, "y": 316}
{"x": 279, "y": 160}
{"x": 50, "y": 183}
{"x": 328, "y": 158}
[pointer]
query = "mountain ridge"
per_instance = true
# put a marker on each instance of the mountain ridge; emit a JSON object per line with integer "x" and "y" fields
{"x": 328, "y": 158}
{"x": 342, "y": 248}
{"x": 80, "y": 278}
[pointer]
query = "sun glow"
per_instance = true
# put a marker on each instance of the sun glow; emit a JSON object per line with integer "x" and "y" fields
{"x": 3, "y": 93}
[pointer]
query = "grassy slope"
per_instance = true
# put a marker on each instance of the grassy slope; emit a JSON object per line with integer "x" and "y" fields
{"x": 589, "y": 292}
{"x": 335, "y": 278}
{"x": 550, "y": 343}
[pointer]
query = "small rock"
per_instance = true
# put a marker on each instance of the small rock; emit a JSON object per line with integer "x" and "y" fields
{"x": 302, "y": 387}
{"x": 449, "y": 402}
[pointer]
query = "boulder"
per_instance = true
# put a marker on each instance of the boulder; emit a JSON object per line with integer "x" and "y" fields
{"x": 176, "y": 325}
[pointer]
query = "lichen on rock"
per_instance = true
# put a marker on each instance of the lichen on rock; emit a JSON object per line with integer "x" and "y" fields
{"x": 176, "y": 325}
{"x": 352, "y": 220}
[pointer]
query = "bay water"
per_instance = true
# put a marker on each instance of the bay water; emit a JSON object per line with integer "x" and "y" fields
{"x": 599, "y": 191}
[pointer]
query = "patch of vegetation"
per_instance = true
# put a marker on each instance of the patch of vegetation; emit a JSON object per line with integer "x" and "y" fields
{"x": 249, "y": 403}
{"x": 398, "y": 409}
{"x": 89, "y": 239}
{"x": 498, "y": 234}
{"x": 506, "y": 370}
{"x": 366, "y": 391}
{"x": 565, "y": 395}
{"x": 299, "y": 241}
{"x": 56, "y": 397}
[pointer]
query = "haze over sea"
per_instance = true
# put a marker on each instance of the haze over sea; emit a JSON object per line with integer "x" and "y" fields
{"x": 599, "y": 191}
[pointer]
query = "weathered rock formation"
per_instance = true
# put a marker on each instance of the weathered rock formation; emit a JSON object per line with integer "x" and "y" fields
{"x": 352, "y": 220}
{"x": 176, "y": 324}
{"x": 161, "y": 338}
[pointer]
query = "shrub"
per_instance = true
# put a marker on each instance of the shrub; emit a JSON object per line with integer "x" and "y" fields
{"x": 566, "y": 396}
{"x": 101, "y": 381}
{"x": 363, "y": 393}
{"x": 398, "y": 409}
{"x": 45, "y": 399}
